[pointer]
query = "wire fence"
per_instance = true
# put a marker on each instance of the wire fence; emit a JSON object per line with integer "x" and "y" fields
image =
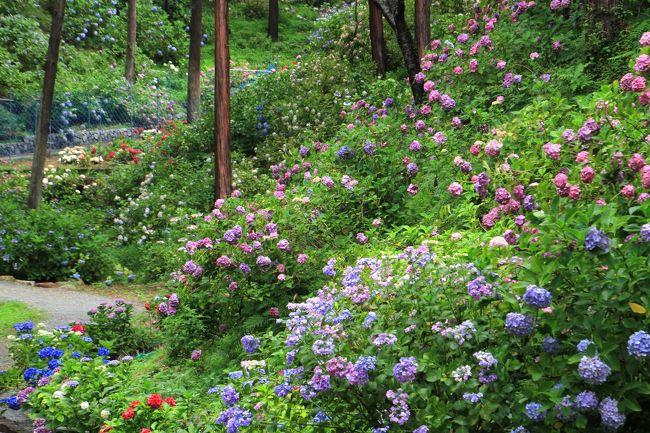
{"x": 73, "y": 114}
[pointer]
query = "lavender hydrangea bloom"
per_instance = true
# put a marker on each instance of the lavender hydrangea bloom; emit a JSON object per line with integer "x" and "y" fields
{"x": 537, "y": 296}
{"x": 638, "y": 345}
{"x": 583, "y": 345}
{"x": 234, "y": 418}
{"x": 369, "y": 320}
{"x": 405, "y": 370}
{"x": 344, "y": 153}
{"x": 586, "y": 401}
{"x": 473, "y": 397}
{"x": 645, "y": 232}
{"x": 323, "y": 347}
{"x": 519, "y": 324}
{"x": 250, "y": 343}
{"x": 535, "y": 411}
{"x": 485, "y": 359}
{"x": 229, "y": 395}
{"x": 550, "y": 345}
{"x": 609, "y": 414}
{"x": 593, "y": 370}
{"x": 564, "y": 411}
{"x": 520, "y": 429}
{"x": 283, "y": 389}
{"x": 597, "y": 239}
{"x": 320, "y": 417}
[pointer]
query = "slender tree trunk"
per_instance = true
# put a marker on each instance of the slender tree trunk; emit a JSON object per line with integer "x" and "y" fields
{"x": 393, "y": 11}
{"x": 377, "y": 41}
{"x": 40, "y": 152}
{"x": 129, "y": 71}
{"x": 223, "y": 172}
{"x": 422, "y": 25}
{"x": 274, "y": 19}
{"x": 194, "y": 64}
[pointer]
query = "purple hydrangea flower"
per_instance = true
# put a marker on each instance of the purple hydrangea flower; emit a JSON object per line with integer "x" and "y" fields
{"x": 593, "y": 370}
{"x": 229, "y": 395}
{"x": 537, "y": 296}
{"x": 597, "y": 239}
{"x": 638, "y": 345}
{"x": 609, "y": 414}
{"x": 586, "y": 401}
{"x": 405, "y": 370}
{"x": 535, "y": 411}
{"x": 473, "y": 397}
{"x": 519, "y": 324}
{"x": 250, "y": 343}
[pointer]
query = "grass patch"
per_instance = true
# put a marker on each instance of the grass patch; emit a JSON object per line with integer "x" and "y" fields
{"x": 13, "y": 311}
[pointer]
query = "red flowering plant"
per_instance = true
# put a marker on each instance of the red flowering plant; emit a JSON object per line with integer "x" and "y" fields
{"x": 153, "y": 413}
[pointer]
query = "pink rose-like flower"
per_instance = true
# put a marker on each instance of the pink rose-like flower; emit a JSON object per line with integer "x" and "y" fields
{"x": 625, "y": 82}
{"x": 552, "y": 150}
{"x": 643, "y": 197}
{"x": 196, "y": 355}
{"x": 282, "y": 277}
{"x": 645, "y": 176}
{"x": 493, "y": 148}
{"x": 637, "y": 162}
{"x": 642, "y": 63}
{"x": 473, "y": 65}
{"x": 274, "y": 312}
{"x": 601, "y": 202}
{"x": 628, "y": 191}
{"x": 582, "y": 157}
{"x": 574, "y": 192}
{"x": 645, "y": 39}
{"x": 429, "y": 86}
{"x": 638, "y": 84}
{"x": 560, "y": 180}
{"x": 501, "y": 64}
{"x": 376, "y": 222}
{"x": 458, "y": 70}
{"x": 475, "y": 148}
{"x": 302, "y": 258}
{"x": 644, "y": 98}
{"x": 413, "y": 189}
{"x": 455, "y": 189}
{"x": 534, "y": 55}
{"x": 587, "y": 174}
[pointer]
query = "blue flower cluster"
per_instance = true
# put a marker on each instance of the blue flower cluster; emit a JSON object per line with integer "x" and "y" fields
{"x": 593, "y": 370}
{"x": 597, "y": 239}
{"x": 250, "y": 343}
{"x": 537, "y": 296}
{"x": 638, "y": 345}
{"x": 519, "y": 324}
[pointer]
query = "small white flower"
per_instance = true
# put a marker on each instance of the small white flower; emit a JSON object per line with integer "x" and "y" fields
{"x": 57, "y": 394}
{"x": 84, "y": 405}
{"x": 105, "y": 413}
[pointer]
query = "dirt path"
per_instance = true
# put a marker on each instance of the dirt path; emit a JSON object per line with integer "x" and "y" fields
{"x": 61, "y": 306}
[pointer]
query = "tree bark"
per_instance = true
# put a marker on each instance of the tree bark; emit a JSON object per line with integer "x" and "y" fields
{"x": 223, "y": 171}
{"x": 422, "y": 25}
{"x": 274, "y": 19}
{"x": 377, "y": 41}
{"x": 45, "y": 118}
{"x": 129, "y": 70}
{"x": 393, "y": 11}
{"x": 194, "y": 63}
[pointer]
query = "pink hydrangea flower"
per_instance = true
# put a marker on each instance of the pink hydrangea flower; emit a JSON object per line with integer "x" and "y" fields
{"x": 642, "y": 63}
{"x": 574, "y": 192}
{"x": 582, "y": 157}
{"x": 455, "y": 189}
{"x": 534, "y": 55}
{"x": 552, "y": 150}
{"x": 637, "y": 162}
{"x": 587, "y": 174}
{"x": 645, "y": 39}
{"x": 628, "y": 191}
{"x": 493, "y": 148}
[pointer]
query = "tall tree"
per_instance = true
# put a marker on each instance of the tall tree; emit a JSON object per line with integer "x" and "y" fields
{"x": 223, "y": 171}
{"x": 274, "y": 19}
{"x": 422, "y": 25}
{"x": 194, "y": 64}
{"x": 129, "y": 71}
{"x": 45, "y": 118}
{"x": 377, "y": 41}
{"x": 393, "y": 11}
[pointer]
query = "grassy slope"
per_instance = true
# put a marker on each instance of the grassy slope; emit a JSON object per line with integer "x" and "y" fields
{"x": 12, "y": 312}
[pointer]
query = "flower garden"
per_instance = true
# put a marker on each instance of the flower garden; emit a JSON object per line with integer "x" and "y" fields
{"x": 476, "y": 263}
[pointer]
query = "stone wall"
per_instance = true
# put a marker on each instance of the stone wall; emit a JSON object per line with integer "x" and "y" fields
{"x": 59, "y": 141}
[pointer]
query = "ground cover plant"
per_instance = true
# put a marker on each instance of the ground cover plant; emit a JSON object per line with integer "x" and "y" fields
{"x": 476, "y": 263}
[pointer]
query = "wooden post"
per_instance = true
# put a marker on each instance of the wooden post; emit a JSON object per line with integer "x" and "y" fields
{"x": 274, "y": 18}
{"x": 194, "y": 64}
{"x": 377, "y": 42}
{"x": 129, "y": 68}
{"x": 40, "y": 151}
{"x": 422, "y": 25}
{"x": 223, "y": 173}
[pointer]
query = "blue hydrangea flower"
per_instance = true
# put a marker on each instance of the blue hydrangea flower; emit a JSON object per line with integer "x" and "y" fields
{"x": 519, "y": 324}
{"x": 250, "y": 343}
{"x": 586, "y": 401}
{"x": 609, "y": 414}
{"x": 234, "y": 375}
{"x": 405, "y": 370}
{"x": 229, "y": 395}
{"x": 103, "y": 351}
{"x": 645, "y": 232}
{"x": 473, "y": 397}
{"x": 597, "y": 239}
{"x": 535, "y": 411}
{"x": 593, "y": 370}
{"x": 638, "y": 345}
{"x": 321, "y": 417}
{"x": 583, "y": 345}
{"x": 283, "y": 389}
{"x": 537, "y": 296}
{"x": 550, "y": 345}
{"x": 234, "y": 418}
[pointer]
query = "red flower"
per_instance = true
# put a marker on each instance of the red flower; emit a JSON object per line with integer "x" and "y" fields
{"x": 170, "y": 401}
{"x": 128, "y": 414}
{"x": 145, "y": 430}
{"x": 147, "y": 306}
{"x": 79, "y": 327}
{"x": 134, "y": 403}
{"x": 123, "y": 146}
{"x": 105, "y": 429}
{"x": 155, "y": 401}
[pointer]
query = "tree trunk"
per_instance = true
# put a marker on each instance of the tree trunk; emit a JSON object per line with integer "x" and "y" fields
{"x": 422, "y": 25}
{"x": 129, "y": 70}
{"x": 194, "y": 63}
{"x": 377, "y": 42}
{"x": 393, "y": 11}
{"x": 44, "y": 121}
{"x": 274, "y": 19}
{"x": 223, "y": 172}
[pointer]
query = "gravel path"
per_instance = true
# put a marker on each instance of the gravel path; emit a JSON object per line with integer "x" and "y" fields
{"x": 61, "y": 306}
